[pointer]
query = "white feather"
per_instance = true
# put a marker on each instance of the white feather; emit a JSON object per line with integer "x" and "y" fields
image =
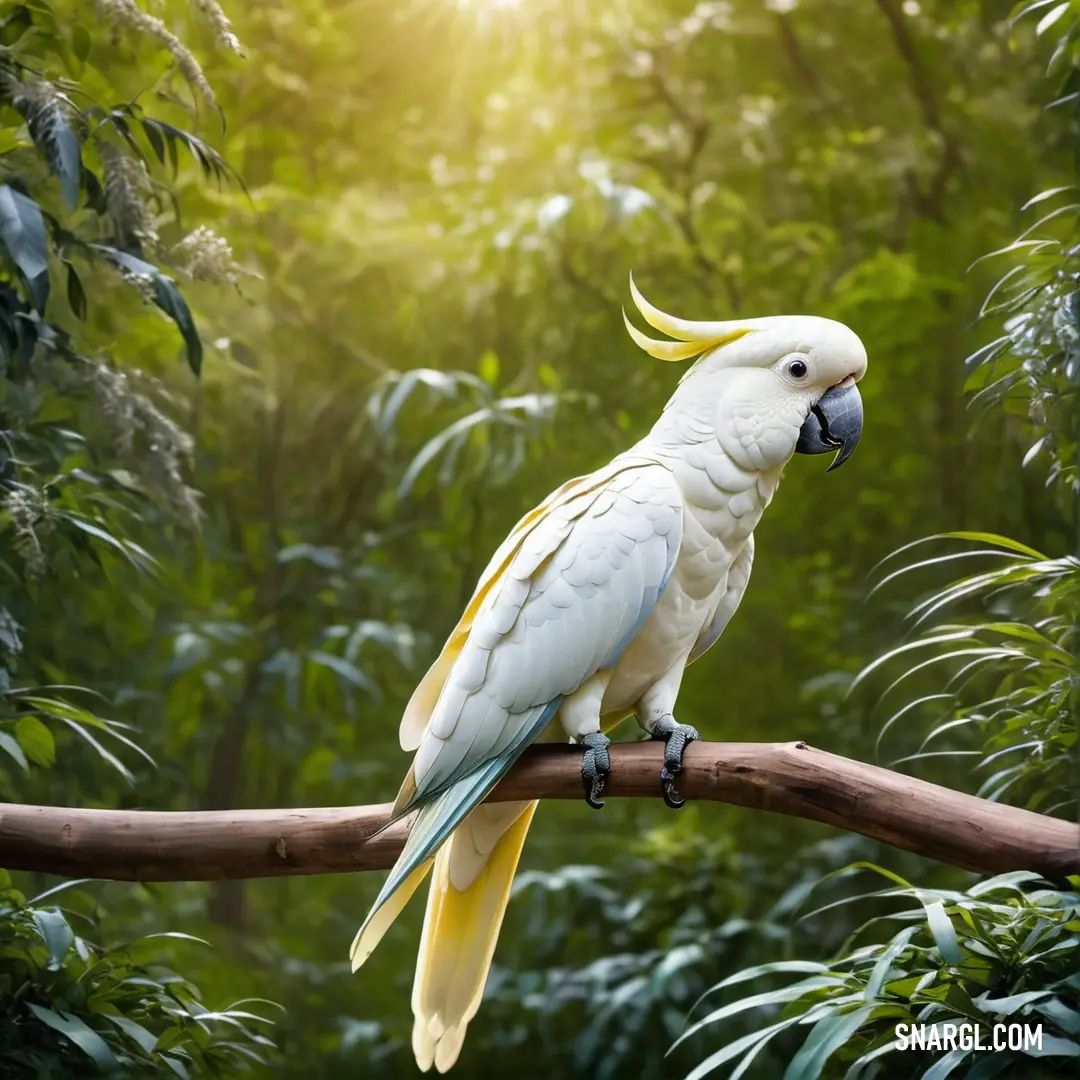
{"x": 548, "y": 648}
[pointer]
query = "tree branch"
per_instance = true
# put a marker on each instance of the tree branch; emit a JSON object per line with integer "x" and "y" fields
{"x": 785, "y": 778}
{"x": 931, "y": 202}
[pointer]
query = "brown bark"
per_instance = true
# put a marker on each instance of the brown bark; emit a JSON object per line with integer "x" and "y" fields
{"x": 785, "y": 778}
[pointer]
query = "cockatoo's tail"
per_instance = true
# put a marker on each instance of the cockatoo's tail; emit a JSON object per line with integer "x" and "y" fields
{"x": 590, "y": 612}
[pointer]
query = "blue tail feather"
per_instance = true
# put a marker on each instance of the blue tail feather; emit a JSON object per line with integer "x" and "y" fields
{"x": 442, "y": 811}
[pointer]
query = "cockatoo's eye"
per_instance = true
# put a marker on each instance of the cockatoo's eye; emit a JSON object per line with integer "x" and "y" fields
{"x": 797, "y": 367}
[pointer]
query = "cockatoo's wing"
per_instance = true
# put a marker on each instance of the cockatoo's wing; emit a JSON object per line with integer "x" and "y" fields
{"x": 418, "y": 712}
{"x": 571, "y": 593}
{"x": 738, "y": 578}
{"x": 572, "y": 597}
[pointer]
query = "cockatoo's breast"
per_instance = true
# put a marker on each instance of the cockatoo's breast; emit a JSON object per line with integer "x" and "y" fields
{"x": 722, "y": 504}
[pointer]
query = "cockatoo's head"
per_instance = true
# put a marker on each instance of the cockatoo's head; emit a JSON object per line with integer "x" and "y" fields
{"x": 782, "y": 385}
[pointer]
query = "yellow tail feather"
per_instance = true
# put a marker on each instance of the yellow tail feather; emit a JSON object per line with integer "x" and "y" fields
{"x": 469, "y": 892}
{"x": 367, "y": 938}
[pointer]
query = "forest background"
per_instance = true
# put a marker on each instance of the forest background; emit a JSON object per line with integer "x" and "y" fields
{"x": 301, "y": 313}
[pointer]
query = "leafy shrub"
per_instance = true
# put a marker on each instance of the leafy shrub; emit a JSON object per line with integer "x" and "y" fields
{"x": 1016, "y": 670}
{"x": 993, "y": 954}
{"x": 114, "y": 1008}
{"x": 85, "y": 449}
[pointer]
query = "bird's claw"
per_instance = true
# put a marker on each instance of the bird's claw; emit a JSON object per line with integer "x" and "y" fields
{"x": 676, "y": 736}
{"x": 595, "y": 766}
{"x": 667, "y": 789}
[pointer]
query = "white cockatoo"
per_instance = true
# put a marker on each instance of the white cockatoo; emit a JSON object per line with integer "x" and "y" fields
{"x": 589, "y": 612}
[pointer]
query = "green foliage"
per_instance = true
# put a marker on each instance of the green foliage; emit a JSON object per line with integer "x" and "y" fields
{"x": 494, "y": 460}
{"x": 1002, "y": 951}
{"x": 1015, "y": 672}
{"x": 614, "y": 952}
{"x": 115, "y": 1009}
{"x": 454, "y": 237}
{"x": 86, "y": 454}
{"x": 26, "y": 737}
{"x": 54, "y": 493}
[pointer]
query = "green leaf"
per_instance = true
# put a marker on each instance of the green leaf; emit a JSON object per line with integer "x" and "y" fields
{"x": 990, "y": 1065}
{"x": 1006, "y": 1006}
{"x": 168, "y": 298}
{"x": 885, "y": 962}
{"x": 944, "y": 934}
{"x": 946, "y": 1065}
{"x": 14, "y": 750}
{"x": 177, "y": 1066}
{"x": 134, "y": 553}
{"x": 49, "y": 128}
{"x": 36, "y": 739}
{"x": 1008, "y": 880}
{"x": 994, "y": 538}
{"x": 1052, "y": 1046}
{"x": 85, "y": 1038}
{"x": 342, "y": 668}
{"x": 155, "y": 139}
{"x": 1048, "y": 194}
{"x": 166, "y": 295}
{"x": 64, "y": 885}
{"x": 76, "y": 293}
{"x": 784, "y": 967}
{"x": 145, "y": 1040}
{"x": 826, "y": 1036}
{"x": 22, "y": 230}
{"x": 177, "y": 935}
{"x": 58, "y": 936}
{"x": 15, "y": 24}
{"x": 210, "y": 161}
{"x": 104, "y": 754}
{"x": 1051, "y": 17}
{"x": 1057, "y": 1012}
{"x": 747, "y": 1043}
{"x": 857, "y": 1069}
{"x": 767, "y": 997}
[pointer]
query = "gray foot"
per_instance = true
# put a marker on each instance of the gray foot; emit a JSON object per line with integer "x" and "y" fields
{"x": 595, "y": 766}
{"x": 676, "y": 736}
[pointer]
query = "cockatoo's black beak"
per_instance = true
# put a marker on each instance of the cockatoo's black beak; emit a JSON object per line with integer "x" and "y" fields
{"x": 834, "y": 423}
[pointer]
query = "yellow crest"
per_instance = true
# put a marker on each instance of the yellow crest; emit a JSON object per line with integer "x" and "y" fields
{"x": 694, "y": 338}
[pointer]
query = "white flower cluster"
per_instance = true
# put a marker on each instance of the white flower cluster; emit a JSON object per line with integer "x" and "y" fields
{"x": 127, "y": 196}
{"x": 205, "y": 256}
{"x": 125, "y": 16}
{"x": 129, "y": 414}
{"x": 28, "y": 510}
{"x": 215, "y": 18}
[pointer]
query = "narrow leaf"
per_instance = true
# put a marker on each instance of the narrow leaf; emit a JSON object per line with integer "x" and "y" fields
{"x": 944, "y": 934}
{"x": 1051, "y": 17}
{"x": 22, "y": 230}
{"x": 85, "y": 1038}
{"x": 76, "y": 292}
{"x": 57, "y": 935}
{"x": 52, "y": 134}
{"x": 166, "y": 295}
{"x": 826, "y": 1036}
{"x": 36, "y": 739}
{"x": 11, "y": 747}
